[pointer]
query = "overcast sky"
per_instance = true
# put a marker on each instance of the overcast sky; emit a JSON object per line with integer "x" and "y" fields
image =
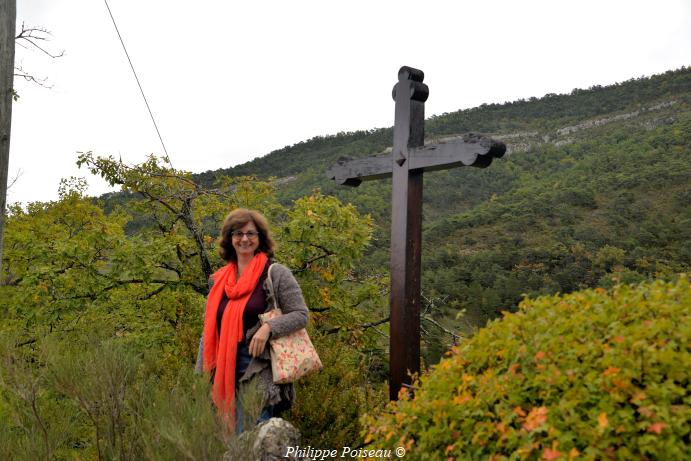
{"x": 229, "y": 81}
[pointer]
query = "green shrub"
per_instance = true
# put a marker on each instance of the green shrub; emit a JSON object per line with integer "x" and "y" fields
{"x": 94, "y": 398}
{"x": 34, "y": 424}
{"x": 178, "y": 423}
{"x": 590, "y": 375}
{"x": 329, "y": 404}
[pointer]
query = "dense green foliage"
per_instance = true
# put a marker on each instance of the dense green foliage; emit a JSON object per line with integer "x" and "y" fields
{"x": 102, "y": 300}
{"x": 590, "y": 375}
{"x": 614, "y": 205}
{"x": 597, "y": 172}
{"x": 100, "y": 329}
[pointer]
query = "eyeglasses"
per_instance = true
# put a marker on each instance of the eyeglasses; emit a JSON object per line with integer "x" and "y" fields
{"x": 251, "y": 235}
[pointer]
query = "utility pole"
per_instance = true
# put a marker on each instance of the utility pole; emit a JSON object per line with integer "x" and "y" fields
{"x": 8, "y": 16}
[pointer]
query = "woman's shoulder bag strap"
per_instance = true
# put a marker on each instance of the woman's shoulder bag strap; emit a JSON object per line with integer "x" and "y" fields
{"x": 270, "y": 286}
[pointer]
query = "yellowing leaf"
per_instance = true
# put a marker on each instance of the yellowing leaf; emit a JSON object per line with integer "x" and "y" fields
{"x": 656, "y": 428}
{"x": 461, "y": 399}
{"x": 519, "y": 411}
{"x": 535, "y": 419}
{"x": 551, "y": 453}
{"x": 602, "y": 420}
{"x": 647, "y": 412}
{"x": 610, "y": 371}
{"x": 638, "y": 397}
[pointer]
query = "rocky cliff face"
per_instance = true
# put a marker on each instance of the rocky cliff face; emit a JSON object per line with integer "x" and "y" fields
{"x": 647, "y": 117}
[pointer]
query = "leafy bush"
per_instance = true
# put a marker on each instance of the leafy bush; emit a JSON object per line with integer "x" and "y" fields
{"x": 329, "y": 404}
{"x": 590, "y": 375}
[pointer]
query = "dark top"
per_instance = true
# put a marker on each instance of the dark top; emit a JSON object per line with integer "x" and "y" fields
{"x": 255, "y": 305}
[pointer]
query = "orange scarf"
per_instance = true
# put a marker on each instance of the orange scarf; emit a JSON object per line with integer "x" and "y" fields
{"x": 220, "y": 353}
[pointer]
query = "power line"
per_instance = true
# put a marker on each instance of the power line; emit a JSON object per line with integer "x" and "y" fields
{"x": 139, "y": 84}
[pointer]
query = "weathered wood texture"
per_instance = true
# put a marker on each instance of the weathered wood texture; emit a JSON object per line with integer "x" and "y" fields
{"x": 406, "y": 163}
{"x": 8, "y": 14}
{"x": 410, "y": 95}
{"x": 467, "y": 150}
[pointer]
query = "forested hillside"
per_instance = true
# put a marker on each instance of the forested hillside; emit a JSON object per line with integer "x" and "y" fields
{"x": 595, "y": 185}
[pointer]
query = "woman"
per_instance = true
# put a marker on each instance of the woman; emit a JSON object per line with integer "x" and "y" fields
{"x": 234, "y": 344}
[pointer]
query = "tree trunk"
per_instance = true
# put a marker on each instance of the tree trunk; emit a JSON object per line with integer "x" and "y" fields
{"x": 8, "y": 14}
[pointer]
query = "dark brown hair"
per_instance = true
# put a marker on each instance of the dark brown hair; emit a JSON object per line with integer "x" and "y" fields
{"x": 237, "y": 219}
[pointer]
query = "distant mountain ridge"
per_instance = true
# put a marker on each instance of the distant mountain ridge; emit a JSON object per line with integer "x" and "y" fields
{"x": 551, "y": 112}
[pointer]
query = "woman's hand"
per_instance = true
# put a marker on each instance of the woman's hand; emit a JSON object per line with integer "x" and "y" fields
{"x": 258, "y": 342}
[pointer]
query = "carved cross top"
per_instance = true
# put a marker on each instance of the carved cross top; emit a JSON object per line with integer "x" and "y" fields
{"x": 407, "y": 161}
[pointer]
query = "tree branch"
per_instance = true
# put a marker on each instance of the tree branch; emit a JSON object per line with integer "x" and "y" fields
{"x": 438, "y": 325}
{"x": 307, "y": 263}
{"x": 33, "y": 34}
{"x": 168, "y": 267}
{"x": 118, "y": 283}
{"x": 153, "y": 293}
{"x": 364, "y": 326}
{"x": 151, "y": 198}
{"x": 20, "y": 72}
{"x": 27, "y": 342}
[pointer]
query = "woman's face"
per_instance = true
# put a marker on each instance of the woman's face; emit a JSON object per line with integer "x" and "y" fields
{"x": 244, "y": 245}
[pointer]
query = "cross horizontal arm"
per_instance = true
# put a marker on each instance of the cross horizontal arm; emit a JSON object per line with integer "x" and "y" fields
{"x": 469, "y": 150}
{"x": 352, "y": 171}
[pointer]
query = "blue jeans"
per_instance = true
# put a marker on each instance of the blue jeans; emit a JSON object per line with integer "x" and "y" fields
{"x": 242, "y": 361}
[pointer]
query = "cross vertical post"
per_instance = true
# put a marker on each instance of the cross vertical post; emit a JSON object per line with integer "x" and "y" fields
{"x": 410, "y": 95}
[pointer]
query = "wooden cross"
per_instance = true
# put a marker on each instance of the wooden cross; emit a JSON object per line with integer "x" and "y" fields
{"x": 406, "y": 163}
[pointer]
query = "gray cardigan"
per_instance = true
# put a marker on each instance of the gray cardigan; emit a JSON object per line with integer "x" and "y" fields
{"x": 292, "y": 305}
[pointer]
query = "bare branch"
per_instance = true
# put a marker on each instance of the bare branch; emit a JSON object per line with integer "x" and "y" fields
{"x": 14, "y": 180}
{"x": 30, "y": 38}
{"x": 36, "y": 32}
{"x": 430, "y": 305}
{"x": 20, "y": 72}
{"x": 438, "y": 325}
{"x": 32, "y": 35}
